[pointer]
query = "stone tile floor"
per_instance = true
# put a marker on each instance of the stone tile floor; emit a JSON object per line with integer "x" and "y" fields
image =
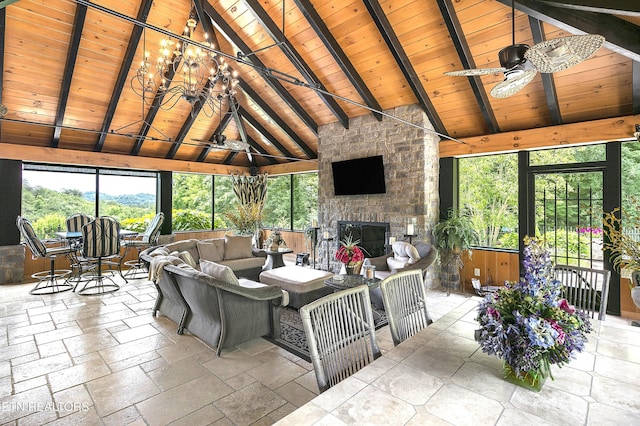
{"x": 70, "y": 359}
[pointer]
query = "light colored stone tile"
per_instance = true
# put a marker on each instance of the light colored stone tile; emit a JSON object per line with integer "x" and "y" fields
{"x": 483, "y": 380}
{"x": 89, "y": 342}
{"x": 434, "y": 362}
{"x": 570, "y": 380}
{"x": 423, "y": 417}
{"x": 30, "y": 384}
{"x": 37, "y": 319}
{"x": 512, "y": 417}
{"x": 86, "y": 417}
{"x": 619, "y": 349}
{"x": 295, "y": 394}
{"x": 29, "y": 330}
{"x": 600, "y": 414}
{"x": 231, "y": 364}
{"x": 307, "y": 414}
{"x": 40, "y": 367}
{"x": 372, "y": 406}
{"x": 617, "y": 369}
{"x": 249, "y": 404}
{"x": 414, "y": 387}
{"x": 278, "y": 414}
{"x": 73, "y": 400}
{"x": 240, "y": 380}
{"x": 460, "y": 406}
{"x": 136, "y": 360}
{"x": 135, "y": 333}
{"x": 126, "y": 416}
{"x": 77, "y": 374}
{"x": 134, "y": 348}
{"x": 6, "y": 388}
{"x": 309, "y": 382}
{"x": 374, "y": 370}
{"x": 120, "y": 390}
{"x": 180, "y": 401}
{"x": 177, "y": 373}
{"x": 610, "y": 392}
{"x": 24, "y": 404}
{"x": 339, "y": 393}
{"x": 458, "y": 346}
{"x": 58, "y": 334}
{"x": 5, "y": 368}
{"x": 185, "y": 349}
{"x": 14, "y": 351}
{"x": 255, "y": 346}
{"x": 551, "y": 404}
{"x": 204, "y": 416}
{"x": 49, "y": 349}
{"x": 276, "y": 373}
{"x": 139, "y": 320}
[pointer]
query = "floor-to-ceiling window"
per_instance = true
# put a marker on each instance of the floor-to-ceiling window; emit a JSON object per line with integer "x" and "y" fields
{"x": 192, "y": 201}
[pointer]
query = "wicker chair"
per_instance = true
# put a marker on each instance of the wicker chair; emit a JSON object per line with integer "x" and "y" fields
{"x": 341, "y": 334}
{"x": 585, "y": 288}
{"x": 101, "y": 243}
{"x": 140, "y": 242}
{"x": 404, "y": 299}
{"x": 48, "y": 281}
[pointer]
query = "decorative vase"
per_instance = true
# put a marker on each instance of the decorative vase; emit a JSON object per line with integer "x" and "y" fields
{"x": 353, "y": 268}
{"x": 532, "y": 380}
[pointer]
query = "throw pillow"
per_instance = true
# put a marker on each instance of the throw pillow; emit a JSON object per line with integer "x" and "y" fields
{"x": 238, "y": 247}
{"x": 404, "y": 251}
{"x": 394, "y": 264}
{"x": 212, "y": 249}
{"x": 219, "y": 272}
{"x": 188, "y": 259}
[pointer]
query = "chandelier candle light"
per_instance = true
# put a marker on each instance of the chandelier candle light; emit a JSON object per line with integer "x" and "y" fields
{"x": 200, "y": 70}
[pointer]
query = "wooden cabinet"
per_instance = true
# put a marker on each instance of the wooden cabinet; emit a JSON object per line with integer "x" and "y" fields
{"x": 495, "y": 265}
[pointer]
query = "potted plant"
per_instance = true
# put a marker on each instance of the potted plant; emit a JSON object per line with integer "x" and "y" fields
{"x": 247, "y": 219}
{"x": 350, "y": 253}
{"x": 529, "y": 325}
{"x": 453, "y": 236}
{"x": 623, "y": 248}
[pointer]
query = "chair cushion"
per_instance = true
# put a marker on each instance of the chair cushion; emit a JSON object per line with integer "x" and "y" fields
{"x": 219, "y": 272}
{"x": 237, "y": 247}
{"x": 188, "y": 259}
{"x": 404, "y": 251}
{"x": 245, "y": 263}
{"x": 394, "y": 263}
{"x": 212, "y": 249}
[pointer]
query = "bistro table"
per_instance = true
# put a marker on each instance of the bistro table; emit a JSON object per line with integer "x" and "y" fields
{"x": 274, "y": 258}
{"x": 343, "y": 282}
{"x": 76, "y": 235}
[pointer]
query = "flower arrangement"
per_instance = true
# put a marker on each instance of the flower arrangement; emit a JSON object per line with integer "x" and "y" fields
{"x": 349, "y": 252}
{"x": 528, "y": 324}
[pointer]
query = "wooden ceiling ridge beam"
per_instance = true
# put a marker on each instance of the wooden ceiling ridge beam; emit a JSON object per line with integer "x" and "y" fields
{"x": 72, "y": 56}
{"x": 276, "y": 119}
{"x": 396, "y": 49}
{"x": 464, "y": 53}
{"x": 547, "y": 78}
{"x": 615, "y": 7}
{"x": 226, "y": 30}
{"x": 264, "y": 132}
{"x": 123, "y": 74}
{"x": 621, "y": 36}
{"x": 296, "y": 59}
{"x": 341, "y": 58}
{"x": 564, "y": 135}
{"x": 222, "y": 125}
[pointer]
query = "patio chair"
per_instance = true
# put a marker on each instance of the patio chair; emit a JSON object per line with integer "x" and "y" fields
{"x": 404, "y": 299}
{"x": 48, "y": 281}
{"x": 340, "y": 334}
{"x": 101, "y": 243}
{"x": 585, "y": 288}
{"x": 77, "y": 221}
{"x": 140, "y": 242}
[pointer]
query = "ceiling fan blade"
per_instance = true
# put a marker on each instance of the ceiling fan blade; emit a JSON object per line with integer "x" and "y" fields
{"x": 512, "y": 84}
{"x": 475, "y": 72}
{"x": 564, "y": 52}
{"x": 236, "y": 145}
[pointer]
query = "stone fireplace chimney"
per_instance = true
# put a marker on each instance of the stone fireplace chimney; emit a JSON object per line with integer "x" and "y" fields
{"x": 411, "y": 164}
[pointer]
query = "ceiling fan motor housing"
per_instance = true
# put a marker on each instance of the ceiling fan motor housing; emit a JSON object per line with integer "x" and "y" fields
{"x": 513, "y": 55}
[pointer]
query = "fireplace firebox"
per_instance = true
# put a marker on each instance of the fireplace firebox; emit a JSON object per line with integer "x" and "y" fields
{"x": 371, "y": 235}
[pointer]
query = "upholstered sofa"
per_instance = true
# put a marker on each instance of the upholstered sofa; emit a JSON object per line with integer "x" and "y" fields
{"x": 220, "y": 309}
{"x": 235, "y": 252}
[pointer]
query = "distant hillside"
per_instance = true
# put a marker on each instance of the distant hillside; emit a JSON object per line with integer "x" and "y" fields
{"x": 125, "y": 199}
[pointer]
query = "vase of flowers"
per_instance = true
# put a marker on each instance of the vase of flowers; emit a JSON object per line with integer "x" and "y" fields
{"x": 351, "y": 255}
{"x": 529, "y": 325}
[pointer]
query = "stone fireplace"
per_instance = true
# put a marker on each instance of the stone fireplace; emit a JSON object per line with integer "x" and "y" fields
{"x": 411, "y": 166}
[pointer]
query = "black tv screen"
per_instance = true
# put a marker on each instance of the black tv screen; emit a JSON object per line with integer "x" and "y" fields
{"x": 359, "y": 176}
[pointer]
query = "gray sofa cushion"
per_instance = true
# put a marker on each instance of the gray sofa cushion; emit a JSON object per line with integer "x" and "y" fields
{"x": 242, "y": 264}
{"x": 188, "y": 245}
{"x": 218, "y": 271}
{"x": 237, "y": 247}
{"x": 212, "y": 249}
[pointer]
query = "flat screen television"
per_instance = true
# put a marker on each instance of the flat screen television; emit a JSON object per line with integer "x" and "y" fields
{"x": 359, "y": 176}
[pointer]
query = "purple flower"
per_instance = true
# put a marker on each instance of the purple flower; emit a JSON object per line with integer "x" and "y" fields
{"x": 565, "y": 306}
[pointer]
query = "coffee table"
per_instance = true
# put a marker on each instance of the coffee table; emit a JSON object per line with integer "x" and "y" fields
{"x": 343, "y": 282}
{"x": 274, "y": 258}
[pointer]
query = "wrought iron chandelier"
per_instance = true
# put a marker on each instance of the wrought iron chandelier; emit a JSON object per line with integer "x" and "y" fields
{"x": 184, "y": 70}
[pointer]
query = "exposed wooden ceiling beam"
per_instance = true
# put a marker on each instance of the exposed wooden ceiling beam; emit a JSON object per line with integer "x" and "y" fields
{"x": 331, "y": 44}
{"x": 123, "y": 74}
{"x": 607, "y": 130}
{"x": 276, "y": 119}
{"x": 230, "y": 35}
{"x": 621, "y": 36}
{"x": 615, "y": 7}
{"x": 101, "y": 159}
{"x": 394, "y": 45}
{"x": 264, "y": 132}
{"x": 547, "y": 78}
{"x": 296, "y": 59}
{"x": 72, "y": 55}
{"x": 464, "y": 53}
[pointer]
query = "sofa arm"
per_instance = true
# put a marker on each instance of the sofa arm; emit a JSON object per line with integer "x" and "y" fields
{"x": 258, "y": 252}
{"x": 380, "y": 262}
{"x": 423, "y": 263}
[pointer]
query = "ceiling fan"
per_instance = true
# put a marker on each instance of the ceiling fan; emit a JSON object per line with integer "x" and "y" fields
{"x": 520, "y": 63}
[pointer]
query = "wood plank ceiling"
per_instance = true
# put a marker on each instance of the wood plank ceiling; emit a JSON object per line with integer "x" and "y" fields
{"x": 67, "y": 67}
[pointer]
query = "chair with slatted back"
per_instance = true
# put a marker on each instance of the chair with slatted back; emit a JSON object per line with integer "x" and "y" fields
{"x": 404, "y": 300}
{"x": 101, "y": 243}
{"x": 585, "y": 288}
{"x": 51, "y": 281}
{"x": 140, "y": 242}
{"x": 340, "y": 334}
